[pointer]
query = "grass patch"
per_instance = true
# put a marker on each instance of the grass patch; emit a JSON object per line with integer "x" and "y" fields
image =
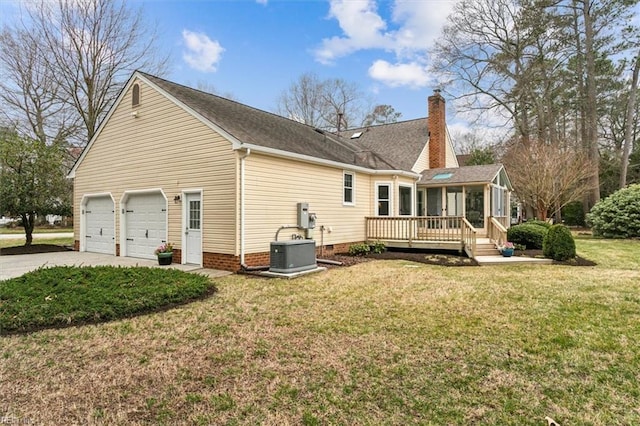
{"x": 20, "y": 230}
{"x": 376, "y": 343}
{"x": 68, "y": 295}
{"x": 15, "y": 242}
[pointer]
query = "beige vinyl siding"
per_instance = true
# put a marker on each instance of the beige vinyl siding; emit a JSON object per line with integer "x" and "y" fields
{"x": 163, "y": 147}
{"x": 422, "y": 163}
{"x": 275, "y": 185}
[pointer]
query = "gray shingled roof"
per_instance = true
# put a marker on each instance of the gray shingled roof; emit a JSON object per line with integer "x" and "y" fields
{"x": 400, "y": 143}
{"x": 256, "y": 127}
{"x": 460, "y": 175}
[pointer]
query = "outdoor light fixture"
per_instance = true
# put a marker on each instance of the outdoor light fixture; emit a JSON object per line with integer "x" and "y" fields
{"x": 176, "y": 199}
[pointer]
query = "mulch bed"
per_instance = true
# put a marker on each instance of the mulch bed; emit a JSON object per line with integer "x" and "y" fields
{"x": 431, "y": 258}
{"x": 440, "y": 258}
{"x": 32, "y": 249}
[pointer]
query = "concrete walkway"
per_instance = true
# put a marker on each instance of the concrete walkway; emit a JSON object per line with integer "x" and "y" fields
{"x": 513, "y": 260}
{"x": 17, "y": 265}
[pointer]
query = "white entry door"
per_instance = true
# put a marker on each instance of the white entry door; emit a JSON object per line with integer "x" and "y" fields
{"x": 146, "y": 224}
{"x": 193, "y": 229}
{"x": 99, "y": 231}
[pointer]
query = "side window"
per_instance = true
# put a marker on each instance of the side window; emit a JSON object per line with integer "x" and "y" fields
{"x": 383, "y": 195}
{"x": 404, "y": 205}
{"x": 348, "y": 186}
{"x": 135, "y": 95}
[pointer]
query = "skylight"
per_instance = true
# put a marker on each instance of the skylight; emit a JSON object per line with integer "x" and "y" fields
{"x": 442, "y": 176}
{"x": 356, "y": 135}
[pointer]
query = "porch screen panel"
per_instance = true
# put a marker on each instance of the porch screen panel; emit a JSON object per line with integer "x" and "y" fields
{"x": 474, "y": 205}
{"x": 498, "y": 201}
{"x": 420, "y": 203}
{"x": 434, "y": 202}
{"x": 454, "y": 205}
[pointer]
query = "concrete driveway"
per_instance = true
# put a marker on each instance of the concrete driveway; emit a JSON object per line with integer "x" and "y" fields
{"x": 16, "y": 265}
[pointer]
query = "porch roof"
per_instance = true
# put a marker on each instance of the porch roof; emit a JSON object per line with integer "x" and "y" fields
{"x": 461, "y": 175}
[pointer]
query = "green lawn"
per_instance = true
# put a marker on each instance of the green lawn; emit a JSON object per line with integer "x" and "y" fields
{"x": 13, "y": 242}
{"x": 383, "y": 342}
{"x": 20, "y": 230}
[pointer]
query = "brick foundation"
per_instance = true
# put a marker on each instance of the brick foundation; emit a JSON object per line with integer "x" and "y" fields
{"x": 177, "y": 256}
{"x": 228, "y": 262}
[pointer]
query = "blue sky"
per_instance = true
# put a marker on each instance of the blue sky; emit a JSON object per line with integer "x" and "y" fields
{"x": 254, "y": 49}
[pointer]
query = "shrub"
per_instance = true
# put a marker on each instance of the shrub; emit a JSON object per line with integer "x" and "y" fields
{"x": 359, "y": 249}
{"x": 573, "y": 214}
{"x": 378, "y": 247}
{"x": 618, "y": 215}
{"x": 529, "y": 235}
{"x": 559, "y": 244}
{"x": 545, "y": 225}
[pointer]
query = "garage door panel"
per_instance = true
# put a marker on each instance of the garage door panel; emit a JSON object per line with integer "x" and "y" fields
{"x": 146, "y": 227}
{"x": 99, "y": 225}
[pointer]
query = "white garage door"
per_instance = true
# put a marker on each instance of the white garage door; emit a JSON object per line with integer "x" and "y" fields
{"x": 100, "y": 229}
{"x": 146, "y": 224}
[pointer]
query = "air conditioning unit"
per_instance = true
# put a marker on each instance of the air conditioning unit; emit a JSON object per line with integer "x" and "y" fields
{"x": 292, "y": 256}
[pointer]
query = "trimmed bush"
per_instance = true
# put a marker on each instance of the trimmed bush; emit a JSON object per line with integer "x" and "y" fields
{"x": 529, "y": 235}
{"x": 378, "y": 247}
{"x": 559, "y": 244}
{"x": 618, "y": 215}
{"x": 359, "y": 249}
{"x": 68, "y": 295}
{"x": 545, "y": 225}
{"x": 573, "y": 214}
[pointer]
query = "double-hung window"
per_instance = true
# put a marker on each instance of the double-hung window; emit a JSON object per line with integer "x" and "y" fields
{"x": 348, "y": 183}
{"x": 383, "y": 199}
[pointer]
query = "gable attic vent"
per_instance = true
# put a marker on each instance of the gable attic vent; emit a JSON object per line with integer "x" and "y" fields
{"x": 135, "y": 95}
{"x": 356, "y": 135}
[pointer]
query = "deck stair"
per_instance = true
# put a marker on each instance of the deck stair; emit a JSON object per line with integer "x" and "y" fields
{"x": 484, "y": 247}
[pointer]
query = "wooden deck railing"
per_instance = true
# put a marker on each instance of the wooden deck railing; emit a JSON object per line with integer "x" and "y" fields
{"x": 496, "y": 231}
{"x": 469, "y": 237}
{"x": 415, "y": 228}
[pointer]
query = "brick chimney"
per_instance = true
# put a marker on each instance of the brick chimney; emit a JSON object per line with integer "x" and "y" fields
{"x": 437, "y": 131}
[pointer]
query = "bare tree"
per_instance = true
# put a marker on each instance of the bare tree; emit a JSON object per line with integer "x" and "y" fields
{"x": 331, "y": 104}
{"x": 381, "y": 114}
{"x": 303, "y": 100}
{"x": 29, "y": 90}
{"x": 548, "y": 177}
{"x": 92, "y": 46}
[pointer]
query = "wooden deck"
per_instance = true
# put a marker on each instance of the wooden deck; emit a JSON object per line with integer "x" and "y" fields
{"x": 435, "y": 233}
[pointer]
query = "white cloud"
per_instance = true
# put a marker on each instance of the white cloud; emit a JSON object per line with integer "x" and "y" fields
{"x": 202, "y": 53}
{"x": 410, "y": 74}
{"x": 362, "y": 27}
{"x": 420, "y": 23}
{"x": 417, "y": 26}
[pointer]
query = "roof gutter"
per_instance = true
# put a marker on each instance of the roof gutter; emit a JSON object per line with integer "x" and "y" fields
{"x": 321, "y": 161}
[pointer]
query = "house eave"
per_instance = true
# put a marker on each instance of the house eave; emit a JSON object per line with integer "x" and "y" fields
{"x": 315, "y": 160}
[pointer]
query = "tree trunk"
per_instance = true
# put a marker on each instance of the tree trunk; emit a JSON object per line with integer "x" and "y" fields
{"x": 28, "y": 222}
{"x": 628, "y": 128}
{"x": 591, "y": 112}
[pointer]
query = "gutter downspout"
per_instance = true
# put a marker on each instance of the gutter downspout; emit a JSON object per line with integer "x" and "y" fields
{"x": 242, "y": 209}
